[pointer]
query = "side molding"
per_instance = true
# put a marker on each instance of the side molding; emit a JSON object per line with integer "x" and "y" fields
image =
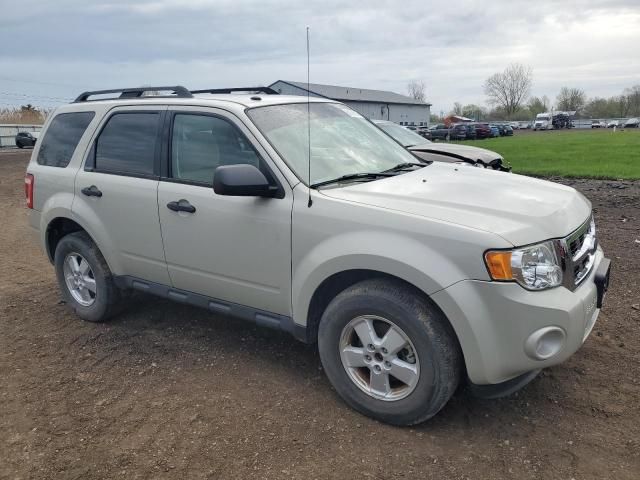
{"x": 259, "y": 317}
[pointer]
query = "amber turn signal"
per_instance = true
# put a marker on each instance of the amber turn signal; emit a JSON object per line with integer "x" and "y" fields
{"x": 499, "y": 265}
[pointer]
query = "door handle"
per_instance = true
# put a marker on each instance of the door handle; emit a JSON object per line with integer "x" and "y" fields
{"x": 91, "y": 191}
{"x": 181, "y": 205}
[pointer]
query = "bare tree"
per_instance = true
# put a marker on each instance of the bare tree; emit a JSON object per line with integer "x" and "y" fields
{"x": 457, "y": 109}
{"x": 417, "y": 90}
{"x": 509, "y": 89}
{"x": 571, "y": 99}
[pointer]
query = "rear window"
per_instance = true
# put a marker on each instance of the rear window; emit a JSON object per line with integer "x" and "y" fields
{"x": 127, "y": 144}
{"x": 62, "y": 138}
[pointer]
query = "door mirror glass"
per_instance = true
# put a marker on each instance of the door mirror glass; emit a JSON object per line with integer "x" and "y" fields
{"x": 242, "y": 181}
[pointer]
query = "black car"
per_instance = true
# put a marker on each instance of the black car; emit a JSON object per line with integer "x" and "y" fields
{"x": 25, "y": 139}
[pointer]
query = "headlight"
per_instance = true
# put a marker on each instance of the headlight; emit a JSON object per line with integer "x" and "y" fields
{"x": 535, "y": 267}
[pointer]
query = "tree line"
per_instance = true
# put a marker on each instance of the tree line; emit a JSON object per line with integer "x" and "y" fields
{"x": 509, "y": 98}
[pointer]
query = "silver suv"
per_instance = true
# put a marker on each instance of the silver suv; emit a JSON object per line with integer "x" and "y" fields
{"x": 303, "y": 216}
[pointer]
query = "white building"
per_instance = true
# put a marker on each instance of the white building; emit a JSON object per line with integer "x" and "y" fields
{"x": 373, "y": 104}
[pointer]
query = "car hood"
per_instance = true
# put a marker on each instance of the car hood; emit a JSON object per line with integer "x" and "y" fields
{"x": 520, "y": 209}
{"x": 472, "y": 153}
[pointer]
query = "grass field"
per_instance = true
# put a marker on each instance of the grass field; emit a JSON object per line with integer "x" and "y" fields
{"x": 576, "y": 153}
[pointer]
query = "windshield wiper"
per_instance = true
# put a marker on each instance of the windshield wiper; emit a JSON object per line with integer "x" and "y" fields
{"x": 353, "y": 176}
{"x": 403, "y": 166}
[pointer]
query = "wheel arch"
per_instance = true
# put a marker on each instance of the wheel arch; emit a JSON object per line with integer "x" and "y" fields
{"x": 339, "y": 281}
{"x": 58, "y": 228}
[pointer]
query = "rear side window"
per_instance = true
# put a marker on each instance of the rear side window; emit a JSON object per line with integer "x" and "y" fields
{"x": 127, "y": 144}
{"x": 62, "y": 137}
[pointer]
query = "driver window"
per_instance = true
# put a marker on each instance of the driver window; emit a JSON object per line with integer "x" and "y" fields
{"x": 201, "y": 143}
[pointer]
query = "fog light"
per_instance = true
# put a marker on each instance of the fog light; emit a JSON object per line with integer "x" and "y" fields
{"x": 545, "y": 343}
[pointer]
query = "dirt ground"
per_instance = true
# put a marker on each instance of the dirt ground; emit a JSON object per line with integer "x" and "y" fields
{"x": 170, "y": 391}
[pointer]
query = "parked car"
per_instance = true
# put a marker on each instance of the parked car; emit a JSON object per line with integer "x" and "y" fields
{"x": 442, "y": 132}
{"x": 470, "y": 130}
{"x": 424, "y": 132}
{"x": 515, "y": 125}
{"x": 412, "y": 277}
{"x": 525, "y": 125}
{"x": 495, "y": 131}
{"x": 613, "y": 123}
{"x": 443, "y": 152}
{"x": 632, "y": 123}
{"x": 26, "y": 139}
{"x": 482, "y": 130}
{"x": 598, "y": 124}
{"x": 504, "y": 129}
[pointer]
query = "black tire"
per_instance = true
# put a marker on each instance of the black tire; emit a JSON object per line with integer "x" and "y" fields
{"x": 108, "y": 297}
{"x": 433, "y": 338}
{"x": 19, "y": 145}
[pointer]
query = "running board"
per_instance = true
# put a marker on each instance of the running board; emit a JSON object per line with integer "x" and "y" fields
{"x": 259, "y": 317}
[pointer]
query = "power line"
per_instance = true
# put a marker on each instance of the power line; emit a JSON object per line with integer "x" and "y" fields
{"x": 28, "y": 95}
{"x": 38, "y": 82}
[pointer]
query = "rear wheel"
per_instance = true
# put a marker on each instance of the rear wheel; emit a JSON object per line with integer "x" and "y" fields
{"x": 389, "y": 352}
{"x": 85, "y": 279}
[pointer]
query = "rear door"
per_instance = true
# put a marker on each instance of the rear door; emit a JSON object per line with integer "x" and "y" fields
{"x": 116, "y": 191}
{"x": 236, "y": 249}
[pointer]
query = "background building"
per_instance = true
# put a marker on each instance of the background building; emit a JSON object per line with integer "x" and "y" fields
{"x": 373, "y": 104}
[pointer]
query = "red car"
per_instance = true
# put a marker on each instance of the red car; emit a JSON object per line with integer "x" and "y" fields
{"x": 483, "y": 130}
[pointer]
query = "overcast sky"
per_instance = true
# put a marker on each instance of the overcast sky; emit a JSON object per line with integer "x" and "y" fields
{"x": 52, "y": 50}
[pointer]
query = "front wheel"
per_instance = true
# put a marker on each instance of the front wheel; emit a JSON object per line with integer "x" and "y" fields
{"x": 389, "y": 352}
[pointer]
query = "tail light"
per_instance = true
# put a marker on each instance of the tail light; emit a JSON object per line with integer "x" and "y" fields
{"x": 28, "y": 189}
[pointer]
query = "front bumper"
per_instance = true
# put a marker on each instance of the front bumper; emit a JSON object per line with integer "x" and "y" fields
{"x": 495, "y": 321}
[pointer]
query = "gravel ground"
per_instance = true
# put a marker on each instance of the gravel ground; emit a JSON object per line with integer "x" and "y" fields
{"x": 169, "y": 391}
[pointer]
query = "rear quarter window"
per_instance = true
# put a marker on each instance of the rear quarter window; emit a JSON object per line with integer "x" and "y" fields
{"x": 62, "y": 137}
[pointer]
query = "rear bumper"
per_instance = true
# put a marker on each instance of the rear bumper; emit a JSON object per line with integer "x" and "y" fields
{"x": 497, "y": 324}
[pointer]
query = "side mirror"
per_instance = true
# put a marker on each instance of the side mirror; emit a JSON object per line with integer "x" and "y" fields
{"x": 242, "y": 181}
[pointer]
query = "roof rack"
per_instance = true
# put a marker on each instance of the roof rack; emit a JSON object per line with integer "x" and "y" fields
{"x": 177, "y": 91}
{"x": 267, "y": 90}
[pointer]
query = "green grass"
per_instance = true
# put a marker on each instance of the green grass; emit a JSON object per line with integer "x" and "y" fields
{"x": 574, "y": 153}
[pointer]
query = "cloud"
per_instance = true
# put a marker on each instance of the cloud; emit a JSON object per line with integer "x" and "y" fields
{"x": 71, "y": 45}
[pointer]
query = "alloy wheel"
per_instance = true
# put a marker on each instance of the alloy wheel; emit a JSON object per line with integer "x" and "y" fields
{"x": 379, "y": 358}
{"x": 80, "y": 279}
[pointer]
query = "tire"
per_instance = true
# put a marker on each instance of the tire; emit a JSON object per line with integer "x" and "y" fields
{"x": 436, "y": 353}
{"x": 106, "y": 301}
{"x": 19, "y": 145}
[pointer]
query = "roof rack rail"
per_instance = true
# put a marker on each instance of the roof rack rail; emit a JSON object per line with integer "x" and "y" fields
{"x": 267, "y": 90}
{"x": 138, "y": 92}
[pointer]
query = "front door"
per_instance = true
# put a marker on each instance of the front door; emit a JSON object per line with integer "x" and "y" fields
{"x": 236, "y": 249}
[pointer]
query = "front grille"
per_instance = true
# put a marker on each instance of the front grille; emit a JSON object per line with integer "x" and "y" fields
{"x": 579, "y": 252}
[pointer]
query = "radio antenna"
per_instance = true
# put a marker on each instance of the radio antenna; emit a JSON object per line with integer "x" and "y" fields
{"x": 309, "y": 119}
